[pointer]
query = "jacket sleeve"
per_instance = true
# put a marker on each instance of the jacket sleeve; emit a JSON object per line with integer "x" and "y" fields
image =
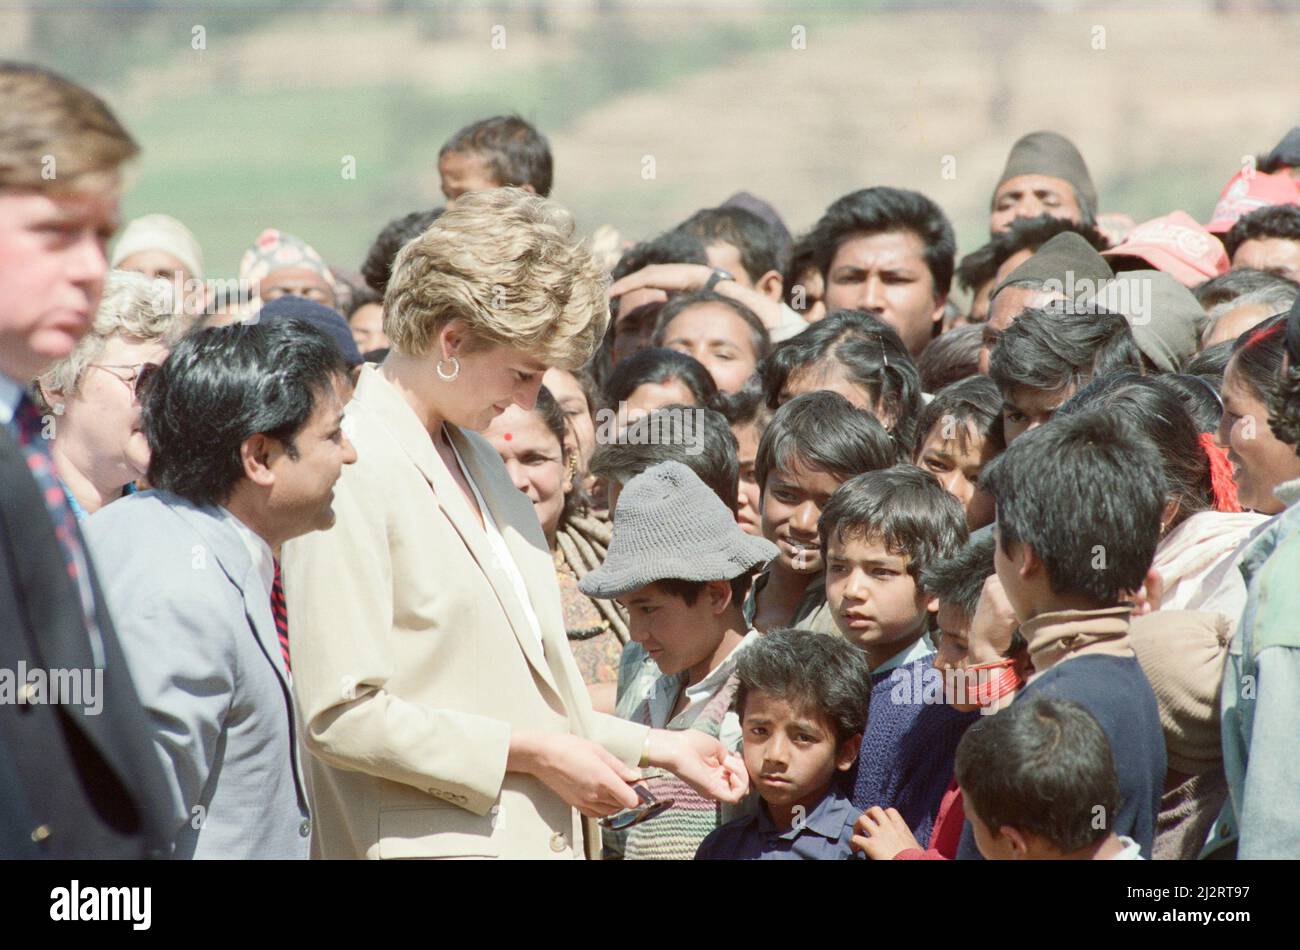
{"x": 1269, "y": 821}
{"x": 339, "y": 589}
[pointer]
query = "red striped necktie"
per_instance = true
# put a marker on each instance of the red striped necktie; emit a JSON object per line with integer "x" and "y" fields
{"x": 280, "y": 611}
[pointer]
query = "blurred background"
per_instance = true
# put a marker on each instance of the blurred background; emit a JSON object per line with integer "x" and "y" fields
{"x": 250, "y": 114}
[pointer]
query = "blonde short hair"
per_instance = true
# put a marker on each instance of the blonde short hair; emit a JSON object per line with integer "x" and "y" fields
{"x": 133, "y": 307}
{"x": 56, "y": 136}
{"x": 506, "y": 262}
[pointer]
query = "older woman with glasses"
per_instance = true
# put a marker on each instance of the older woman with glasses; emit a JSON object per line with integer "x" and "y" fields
{"x": 93, "y": 394}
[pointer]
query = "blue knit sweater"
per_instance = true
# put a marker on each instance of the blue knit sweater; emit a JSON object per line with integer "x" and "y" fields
{"x": 908, "y": 747}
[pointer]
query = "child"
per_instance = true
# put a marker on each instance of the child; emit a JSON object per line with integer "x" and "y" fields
{"x": 748, "y": 415}
{"x": 959, "y": 432}
{"x": 679, "y": 564}
{"x": 1047, "y": 355}
{"x": 878, "y": 532}
{"x": 802, "y": 701}
{"x": 1079, "y": 503}
{"x": 813, "y": 443}
{"x": 494, "y": 153}
{"x": 1039, "y": 783}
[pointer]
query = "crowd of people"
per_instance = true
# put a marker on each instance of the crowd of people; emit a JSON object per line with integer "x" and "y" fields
{"x": 727, "y": 544}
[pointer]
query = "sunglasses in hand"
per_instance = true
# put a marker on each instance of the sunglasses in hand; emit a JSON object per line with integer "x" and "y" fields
{"x": 650, "y": 807}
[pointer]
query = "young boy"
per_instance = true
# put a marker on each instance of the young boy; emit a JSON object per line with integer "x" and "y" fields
{"x": 1079, "y": 503}
{"x": 494, "y": 153}
{"x": 878, "y": 532}
{"x": 813, "y": 443}
{"x": 802, "y": 701}
{"x": 679, "y": 564}
{"x": 1038, "y": 783}
{"x": 959, "y": 432}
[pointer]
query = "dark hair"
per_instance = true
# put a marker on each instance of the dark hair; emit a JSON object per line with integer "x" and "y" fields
{"x": 1237, "y": 283}
{"x": 870, "y": 354}
{"x": 1271, "y": 221}
{"x": 671, "y": 247}
{"x": 1050, "y": 348}
{"x": 757, "y": 241}
{"x": 715, "y": 462}
{"x": 1211, "y": 362}
{"x": 222, "y": 385}
{"x": 976, "y": 400}
{"x": 958, "y": 579}
{"x": 1199, "y": 396}
{"x": 823, "y": 675}
{"x": 1088, "y": 462}
{"x": 803, "y": 258}
{"x": 689, "y": 591}
{"x": 378, "y": 267}
{"x": 515, "y": 152}
{"x": 1155, "y": 410}
{"x": 759, "y": 338}
{"x": 826, "y": 432}
{"x": 879, "y": 210}
{"x": 659, "y": 365}
{"x": 905, "y": 507}
{"x": 1042, "y": 766}
{"x": 1258, "y": 354}
{"x": 1284, "y": 408}
{"x": 361, "y": 297}
{"x": 949, "y": 357}
{"x": 1023, "y": 234}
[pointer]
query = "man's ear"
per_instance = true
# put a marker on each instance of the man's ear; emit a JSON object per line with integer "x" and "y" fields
{"x": 255, "y": 456}
{"x": 940, "y": 303}
{"x": 847, "y": 754}
{"x": 1030, "y": 563}
{"x": 771, "y": 285}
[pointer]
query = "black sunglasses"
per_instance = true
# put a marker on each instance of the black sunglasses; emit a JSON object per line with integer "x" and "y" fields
{"x": 650, "y": 807}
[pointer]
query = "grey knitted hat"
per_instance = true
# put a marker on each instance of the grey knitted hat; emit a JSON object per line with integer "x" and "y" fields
{"x": 669, "y": 525}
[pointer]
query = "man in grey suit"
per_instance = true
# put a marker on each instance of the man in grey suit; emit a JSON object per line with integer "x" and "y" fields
{"x": 243, "y": 424}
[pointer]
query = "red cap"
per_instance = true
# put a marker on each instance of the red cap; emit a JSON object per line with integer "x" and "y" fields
{"x": 1177, "y": 245}
{"x": 1248, "y": 191}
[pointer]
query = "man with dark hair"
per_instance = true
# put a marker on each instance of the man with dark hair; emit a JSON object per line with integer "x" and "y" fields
{"x": 244, "y": 427}
{"x": 379, "y": 259}
{"x": 742, "y": 244}
{"x": 80, "y": 777}
{"x": 1038, "y": 783}
{"x": 1071, "y": 581}
{"x": 889, "y": 252}
{"x": 635, "y": 312}
{"x": 1044, "y": 174}
{"x": 496, "y": 153}
{"x": 1047, "y": 355}
{"x": 1267, "y": 239}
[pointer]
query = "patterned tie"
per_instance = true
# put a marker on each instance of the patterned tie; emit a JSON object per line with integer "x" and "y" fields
{"x": 28, "y": 427}
{"x": 280, "y": 611}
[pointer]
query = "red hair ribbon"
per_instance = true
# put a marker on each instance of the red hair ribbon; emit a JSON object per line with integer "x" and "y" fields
{"x": 1221, "y": 478}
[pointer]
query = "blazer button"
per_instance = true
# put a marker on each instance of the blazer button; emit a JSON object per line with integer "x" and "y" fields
{"x": 304, "y": 830}
{"x": 40, "y": 833}
{"x": 558, "y": 842}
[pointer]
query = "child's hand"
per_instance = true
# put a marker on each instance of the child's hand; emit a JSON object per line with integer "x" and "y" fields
{"x": 881, "y": 833}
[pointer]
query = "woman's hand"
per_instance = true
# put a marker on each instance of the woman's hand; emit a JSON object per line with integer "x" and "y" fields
{"x": 881, "y": 833}
{"x": 578, "y": 770}
{"x": 700, "y": 761}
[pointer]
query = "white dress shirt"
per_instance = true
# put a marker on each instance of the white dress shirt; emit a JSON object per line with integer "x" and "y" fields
{"x": 11, "y": 393}
{"x": 260, "y": 552}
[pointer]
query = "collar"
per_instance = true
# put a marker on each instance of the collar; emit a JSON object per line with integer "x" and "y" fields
{"x": 916, "y": 651}
{"x": 1060, "y": 634}
{"x": 1288, "y": 492}
{"x": 827, "y": 819}
{"x": 11, "y": 393}
{"x": 258, "y": 549}
{"x": 666, "y": 688}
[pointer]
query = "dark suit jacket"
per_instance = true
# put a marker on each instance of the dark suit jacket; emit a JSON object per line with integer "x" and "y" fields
{"x": 91, "y": 782}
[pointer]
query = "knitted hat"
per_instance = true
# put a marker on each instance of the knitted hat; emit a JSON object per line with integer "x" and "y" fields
{"x": 1066, "y": 258}
{"x": 1249, "y": 191}
{"x": 160, "y": 232}
{"x": 1050, "y": 153}
{"x": 1165, "y": 318}
{"x": 1177, "y": 245}
{"x": 669, "y": 525}
{"x": 1182, "y": 653}
{"x": 278, "y": 250}
{"x": 325, "y": 319}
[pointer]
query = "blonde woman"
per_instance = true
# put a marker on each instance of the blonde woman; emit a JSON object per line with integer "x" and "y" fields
{"x": 442, "y": 704}
{"x": 99, "y": 450}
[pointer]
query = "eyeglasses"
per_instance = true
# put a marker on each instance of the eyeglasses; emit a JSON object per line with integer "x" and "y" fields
{"x": 650, "y": 807}
{"x": 137, "y": 375}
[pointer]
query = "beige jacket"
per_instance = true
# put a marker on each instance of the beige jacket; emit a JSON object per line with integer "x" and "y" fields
{"x": 413, "y": 659}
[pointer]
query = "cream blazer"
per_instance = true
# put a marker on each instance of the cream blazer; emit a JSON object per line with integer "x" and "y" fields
{"x": 413, "y": 660}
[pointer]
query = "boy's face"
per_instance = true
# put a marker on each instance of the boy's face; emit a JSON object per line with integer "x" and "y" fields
{"x": 1024, "y": 409}
{"x": 955, "y": 453}
{"x": 790, "y": 753}
{"x": 873, "y": 598}
{"x": 792, "y": 501}
{"x": 673, "y": 632}
{"x": 463, "y": 172}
